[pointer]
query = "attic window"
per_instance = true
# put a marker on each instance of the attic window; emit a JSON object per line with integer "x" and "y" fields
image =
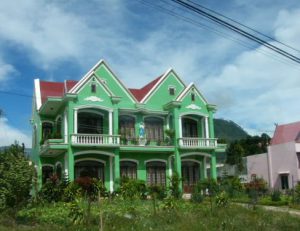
{"x": 93, "y": 88}
{"x": 172, "y": 90}
{"x": 193, "y": 97}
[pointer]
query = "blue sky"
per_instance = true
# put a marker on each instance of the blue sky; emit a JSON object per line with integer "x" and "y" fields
{"x": 57, "y": 40}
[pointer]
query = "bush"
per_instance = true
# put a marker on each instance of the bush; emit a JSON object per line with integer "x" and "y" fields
{"x": 231, "y": 185}
{"x": 222, "y": 199}
{"x": 259, "y": 185}
{"x": 297, "y": 193}
{"x": 275, "y": 195}
{"x": 52, "y": 190}
{"x": 157, "y": 191}
{"x": 133, "y": 189}
{"x": 16, "y": 175}
{"x": 175, "y": 181}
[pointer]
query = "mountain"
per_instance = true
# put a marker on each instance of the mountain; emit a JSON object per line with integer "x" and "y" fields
{"x": 228, "y": 130}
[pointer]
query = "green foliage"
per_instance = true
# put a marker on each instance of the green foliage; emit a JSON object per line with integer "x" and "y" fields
{"x": 235, "y": 153}
{"x": 16, "y": 175}
{"x": 222, "y": 199}
{"x": 275, "y": 195}
{"x": 71, "y": 192}
{"x": 175, "y": 181}
{"x": 228, "y": 130}
{"x": 231, "y": 185}
{"x": 52, "y": 190}
{"x": 133, "y": 189}
{"x": 297, "y": 193}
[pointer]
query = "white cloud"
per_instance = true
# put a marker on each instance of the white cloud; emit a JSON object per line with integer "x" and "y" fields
{"x": 257, "y": 91}
{"x": 9, "y": 134}
{"x": 6, "y": 70}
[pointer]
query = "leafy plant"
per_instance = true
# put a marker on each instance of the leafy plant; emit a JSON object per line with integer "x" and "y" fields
{"x": 133, "y": 189}
{"x": 222, "y": 199}
{"x": 275, "y": 195}
{"x": 175, "y": 181}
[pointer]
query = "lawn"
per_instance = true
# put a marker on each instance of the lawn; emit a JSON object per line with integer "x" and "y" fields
{"x": 141, "y": 215}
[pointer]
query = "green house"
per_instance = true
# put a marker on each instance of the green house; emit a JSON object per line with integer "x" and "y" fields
{"x": 98, "y": 127}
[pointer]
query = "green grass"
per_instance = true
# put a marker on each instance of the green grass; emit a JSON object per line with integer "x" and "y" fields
{"x": 139, "y": 215}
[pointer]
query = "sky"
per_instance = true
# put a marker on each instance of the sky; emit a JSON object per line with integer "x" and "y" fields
{"x": 59, "y": 39}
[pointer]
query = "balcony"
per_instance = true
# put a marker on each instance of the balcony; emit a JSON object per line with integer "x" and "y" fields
{"x": 53, "y": 147}
{"x": 95, "y": 139}
{"x": 189, "y": 142}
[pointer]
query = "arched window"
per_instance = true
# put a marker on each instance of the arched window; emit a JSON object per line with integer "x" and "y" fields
{"x": 154, "y": 128}
{"x": 90, "y": 123}
{"x": 126, "y": 126}
{"x": 58, "y": 171}
{"x": 128, "y": 169}
{"x": 190, "y": 127}
{"x": 47, "y": 129}
{"x": 89, "y": 168}
{"x": 190, "y": 175}
{"x": 47, "y": 172}
{"x": 156, "y": 173}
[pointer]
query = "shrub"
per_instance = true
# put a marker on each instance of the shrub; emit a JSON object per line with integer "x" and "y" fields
{"x": 157, "y": 191}
{"x": 16, "y": 175}
{"x": 133, "y": 189}
{"x": 52, "y": 190}
{"x": 175, "y": 181}
{"x": 259, "y": 185}
{"x": 275, "y": 195}
{"x": 231, "y": 185}
{"x": 222, "y": 199}
{"x": 297, "y": 193}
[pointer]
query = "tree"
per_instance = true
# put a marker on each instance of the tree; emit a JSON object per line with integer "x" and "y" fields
{"x": 235, "y": 153}
{"x": 16, "y": 174}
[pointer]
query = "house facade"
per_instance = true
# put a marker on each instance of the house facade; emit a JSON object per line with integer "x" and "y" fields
{"x": 280, "y": 166}
{"x": 97, "y": 127}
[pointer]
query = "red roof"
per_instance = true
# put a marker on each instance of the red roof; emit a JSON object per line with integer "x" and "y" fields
{"x": 70, "y": 84}
{"x": 51, "y": 89}
{"x": 139, "y": 94}
{"x": 286, "y": 133}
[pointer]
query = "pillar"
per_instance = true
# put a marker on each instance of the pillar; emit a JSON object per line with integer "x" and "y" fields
{"x": 70, "y": 165}
{"x": 203, "y": 173}
{"x": 213, "y": 165}
{"x": 75, "y": 120}
{"x": 211, "y": 125}
{"x": 116, "y": 169}
{"x": 110, "y": 122}
{"x": 111, "y": 177}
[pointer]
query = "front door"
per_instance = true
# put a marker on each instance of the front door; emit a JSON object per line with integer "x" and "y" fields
{"x": 190, "y": 175}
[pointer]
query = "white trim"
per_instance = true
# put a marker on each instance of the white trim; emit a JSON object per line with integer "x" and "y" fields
{"x": 189, "y": 117}
{"x": 155, "y": 87}
{"x": 154, "y": 116}
{"x": 154, "y": 160}
{"x": 93, "y": 107}
{"x": 111, "y": 178}
{"x": 110, "y": 123}
{"x": 75, "y": 127}
{"x": 93, "y": 99}
{"x": 37, "y": 92}
{"x": 191, "y": 160}
{"x": 196, "y": 154}
{"x": 194, "y": 113}
{"x": 180, "y": 126}
{"x": 94, "y": 152}
{"x": 90, "y": 159}
{"x": 170, "y": 166}
{"x": 119, "y": 82}
{"x": 57, "y": 163}
{"x": 84, "y": 110}
{"x": 130, "y": 160}
{"x": 185, "y": 91}
{"x": 47, "y": 121}
{"x": 206, "y": 127}
{"x": 57, "y": 117}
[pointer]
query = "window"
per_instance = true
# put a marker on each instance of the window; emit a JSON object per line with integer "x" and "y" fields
{"x": 58, "y": 171}
{"x": 126, "y": 126}
{"x": 90, "y": 123}
{"x": 58, "y": 128}
{"x": 172, "y": 90}
{"x": 128, "y": 169}
{"x": 47, "y": 129}
{"x": 298, "y": 156}
{"x": 156, "y": 173}
{"x": 89, "y": 168}
{"x": 190, "y": 128}
{"x": 193, "y": 97}
{"x": 47, "y": 172}
{"x": 154, "y": 128}
{"x": 284, "y": 181}
{"x": 93, "y": 88}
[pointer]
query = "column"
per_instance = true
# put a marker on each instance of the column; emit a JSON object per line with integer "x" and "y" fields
{"x": 206, "y": 131}
{"x": 110, "y": 126}
{"x": 203, "y": 173}
{"x": 75, "y": 120}
{"x": 66, "y": 126}
{"x": 178, "y": 166}
{"x": 70, "y": 164}
{"x": 111, "y": 178}
{"x": 211, "y": 125}
{"x": 213, "y": 165}
{"x": 180, "y": 129}
{"x": 116, "y": 170}
{"x": 178, "y": 133}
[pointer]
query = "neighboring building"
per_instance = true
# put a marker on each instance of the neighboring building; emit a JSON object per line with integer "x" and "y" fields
{"x": 97, "y": 127}
{"x": 280, "y": 167}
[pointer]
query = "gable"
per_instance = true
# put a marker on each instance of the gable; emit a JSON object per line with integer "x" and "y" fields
{"x": 189, "y": 103}
{"x": 109, "y": 79}
{"x": 101, "y": 96}
{"x": 159, "y": 94}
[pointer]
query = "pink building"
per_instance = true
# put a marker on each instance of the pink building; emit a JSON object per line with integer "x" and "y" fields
{"x": 280, "y": 167}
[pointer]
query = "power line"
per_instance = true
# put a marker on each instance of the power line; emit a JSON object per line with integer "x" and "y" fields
{"x": 237, "y": 30}
{"x": 243, "y": 25}
{"x": 243, "y": 43}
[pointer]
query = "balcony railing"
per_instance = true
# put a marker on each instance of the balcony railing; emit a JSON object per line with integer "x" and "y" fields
{"x": 95, "y": 139}
{"x": 188, "y": 142}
